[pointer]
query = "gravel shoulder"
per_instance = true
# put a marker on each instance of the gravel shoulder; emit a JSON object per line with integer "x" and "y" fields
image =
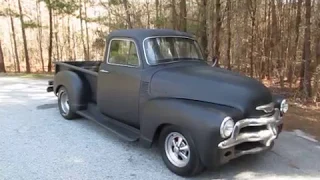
{"x": 37, "y": 143}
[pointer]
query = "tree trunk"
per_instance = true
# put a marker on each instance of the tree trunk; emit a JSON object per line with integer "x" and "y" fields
{"x": 183, "y": 16}
{"x": 127, "y": 9}
{"x": 275, "y": 37}
{"x": 317, "y": 71}
{"x": 148, "y": 13}
{"x": 74, "y": 46}
{"x": 50, "y": 37}
{"x": 296, "y": 43}
{"x": 15, "y": 44}
{"x": 2, "y": 66}
{"x": 218, "y": 29}
{"x": 40, "y": 35}
{"x": 173, "y": 15}
{"x": 229, "y": 34}
{"x": 82, "y": 34}
{"x": 252, "y": 10}
{"x": 25, "y": 45}
{"x": 317, "y": 61}
{"x": 278, "y": 48}
{"x": 307, "y": 52}
{"x": 87, "y": 30}
{"x": 269, "y": 52}
{"x": 57, "y": 45}
{"x": 70, "y": 50}
{"x": 203, "y": 28}
{"x": 157, "y": 14}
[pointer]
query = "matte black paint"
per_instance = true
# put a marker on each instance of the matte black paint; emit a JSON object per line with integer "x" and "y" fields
{"x": 123, "y": 130}
{"x": 118, "y": 93}
{"x": 75, "y": 87}
{"x": 200, "y": 82}
{"x": 191, "y": 95}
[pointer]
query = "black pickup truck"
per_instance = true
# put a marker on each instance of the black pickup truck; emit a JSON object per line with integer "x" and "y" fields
{"x": 154, "y": 86}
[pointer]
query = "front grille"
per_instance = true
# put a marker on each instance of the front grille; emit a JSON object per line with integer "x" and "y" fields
{"x": 257, "y": 114}
{"x": 252, "y": 129}
{"x": 248, "y": 145}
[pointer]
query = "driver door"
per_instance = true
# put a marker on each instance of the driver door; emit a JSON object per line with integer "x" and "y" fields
{"x": 119, "y": 82}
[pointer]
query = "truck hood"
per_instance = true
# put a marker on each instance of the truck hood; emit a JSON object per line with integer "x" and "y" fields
{"x": 210, "y": 84}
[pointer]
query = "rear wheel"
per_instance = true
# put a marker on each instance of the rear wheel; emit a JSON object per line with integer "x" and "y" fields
{"x": 64, "y": 104}
{"x": 178, "y": 152}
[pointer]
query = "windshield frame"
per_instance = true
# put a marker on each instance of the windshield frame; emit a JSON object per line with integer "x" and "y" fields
{"x": 184, "y": 37}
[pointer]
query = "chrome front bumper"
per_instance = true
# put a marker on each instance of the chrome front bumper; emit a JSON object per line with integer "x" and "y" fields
{"x": 263, "y": 136}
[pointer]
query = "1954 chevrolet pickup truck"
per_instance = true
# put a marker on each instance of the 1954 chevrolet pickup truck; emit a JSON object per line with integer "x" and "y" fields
{"x": 154, "y": 86}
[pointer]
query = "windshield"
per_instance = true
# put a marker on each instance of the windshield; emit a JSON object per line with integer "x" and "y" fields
{"x": 171, "y": 49}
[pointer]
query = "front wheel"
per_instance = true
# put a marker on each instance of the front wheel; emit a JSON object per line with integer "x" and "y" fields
{"x": 178, "y": 152}
{"x": 64, "y": 104}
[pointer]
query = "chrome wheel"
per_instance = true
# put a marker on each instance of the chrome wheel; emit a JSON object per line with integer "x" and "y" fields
{"x": 177, "y": 149}
{"x": 64, "y": 102}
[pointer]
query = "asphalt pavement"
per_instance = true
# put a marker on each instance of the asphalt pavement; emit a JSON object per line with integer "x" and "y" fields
{"x": 37, "y": 143}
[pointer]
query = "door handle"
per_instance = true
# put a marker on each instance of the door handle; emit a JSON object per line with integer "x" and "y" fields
{"x": 104, "y": 71}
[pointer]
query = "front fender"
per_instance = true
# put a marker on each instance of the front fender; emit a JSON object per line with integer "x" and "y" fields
{"x": 200, "y": 119}
{"x": 75, "y": 87}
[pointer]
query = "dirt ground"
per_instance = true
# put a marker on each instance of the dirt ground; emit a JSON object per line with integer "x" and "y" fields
{"x": 304, "y": 118}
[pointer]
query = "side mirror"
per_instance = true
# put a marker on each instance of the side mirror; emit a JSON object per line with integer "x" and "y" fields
{"x": 214, "y": 61}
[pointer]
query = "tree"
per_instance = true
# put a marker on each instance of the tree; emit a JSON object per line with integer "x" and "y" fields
{"x": 275, "y": 37}
{"x": 87, "y": 30}
{"x": 317, "y": 58}
{"x": 2, "y": 66}
{"x": 86, "y": 55}
{"x": 173, "y": 14}
{"x": 296, "y": 41}
{"x": 252, "y": 6}
{"x": 126, "y": 6}
{"x": 218, "y": 28}
{"x": 50, "y": 9}
{"x": 60, "y": 7}
{"x": 9, "y": 12}
{"x": 15, "y": 44}
{"x": 25, "y": 44}
{"x": 157, "y": 23}
{"x": 183, "y": 16}
{"x": 203, "y": 28}
{"x": 40, "y": 34}
{"x": 307, "y": 52}
{"x": 229, "y": 33}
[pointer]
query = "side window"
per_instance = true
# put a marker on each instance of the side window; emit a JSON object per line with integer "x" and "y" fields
{"x": 123, "y": 52}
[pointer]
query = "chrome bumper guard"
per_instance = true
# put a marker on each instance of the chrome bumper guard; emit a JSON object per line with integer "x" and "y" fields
{"x": 265, "y": 136}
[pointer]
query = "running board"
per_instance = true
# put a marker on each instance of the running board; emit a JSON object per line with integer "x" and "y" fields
{"x": 124, "y": 131}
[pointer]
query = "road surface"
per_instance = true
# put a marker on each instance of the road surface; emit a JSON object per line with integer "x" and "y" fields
{"x": 37, "y": 143}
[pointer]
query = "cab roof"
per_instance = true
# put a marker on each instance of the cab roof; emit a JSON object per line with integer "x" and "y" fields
{"x": 141, "y": 34}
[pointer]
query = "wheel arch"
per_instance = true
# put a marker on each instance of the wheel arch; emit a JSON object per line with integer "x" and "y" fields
{"x": 158, "y": 131}
{"x": 57, "y": 89}
{"x": 202, "y": 120}
{"x": 75, "y": 87}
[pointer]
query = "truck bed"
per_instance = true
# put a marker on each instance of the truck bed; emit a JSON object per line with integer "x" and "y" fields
{"x": 87, "y": 71}
{"x": 80, "y": 65}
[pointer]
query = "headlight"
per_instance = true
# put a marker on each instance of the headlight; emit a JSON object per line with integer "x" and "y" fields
{"x": 284, "y": 106}
{"x": 226, "y": 127}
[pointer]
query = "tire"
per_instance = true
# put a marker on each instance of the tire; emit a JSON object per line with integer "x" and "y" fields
{"x": 63, "y": 103}
{"x": 182, "y": 159}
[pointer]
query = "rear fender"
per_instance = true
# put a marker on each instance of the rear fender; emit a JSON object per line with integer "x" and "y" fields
{"x": 75, "y": 87}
